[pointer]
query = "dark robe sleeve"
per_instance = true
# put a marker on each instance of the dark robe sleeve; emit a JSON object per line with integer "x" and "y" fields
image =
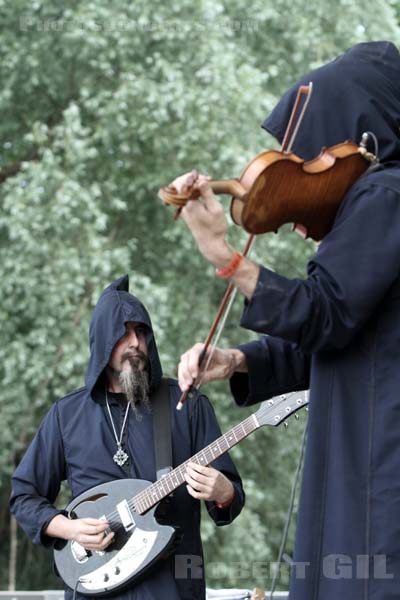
{"x": 355, "y": 266}
{"x": 36, "y": 481}
{"x": 205, "y": 429}
{"x": 274, "y": 367}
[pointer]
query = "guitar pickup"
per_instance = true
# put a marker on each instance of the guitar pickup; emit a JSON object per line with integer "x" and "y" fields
{"x": 125, "y": 515}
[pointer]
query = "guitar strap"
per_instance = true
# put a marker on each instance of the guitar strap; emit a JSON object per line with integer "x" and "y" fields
{"x": 162, "y": 429}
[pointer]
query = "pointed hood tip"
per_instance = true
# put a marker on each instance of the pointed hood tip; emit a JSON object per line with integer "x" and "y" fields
{"x": 121, "y": 284}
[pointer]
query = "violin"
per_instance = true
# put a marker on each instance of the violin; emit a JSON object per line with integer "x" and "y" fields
{"x": 279, "y": 187}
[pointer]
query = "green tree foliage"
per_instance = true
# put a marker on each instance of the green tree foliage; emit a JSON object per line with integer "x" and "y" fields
{"x": 103, "y": 102}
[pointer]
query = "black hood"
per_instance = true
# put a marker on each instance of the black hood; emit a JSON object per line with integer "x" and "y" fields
{"x": 116, "y": 306}
{"x": 358, "y": 91}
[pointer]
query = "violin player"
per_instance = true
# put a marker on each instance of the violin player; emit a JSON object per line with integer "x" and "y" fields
{"x": 337, "y": 332}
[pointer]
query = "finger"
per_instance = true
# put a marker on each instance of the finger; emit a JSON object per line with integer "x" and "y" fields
{"x": 199, "y": 482}
{"x": 90, "y": 521}
{"x": 188, "y": 368}
{"x": 186, "y": 181}
{"x": 179, "y": 183}
{"x": 205, "y": 188}
{"x": 195, "y": 494}
{"x": 193, "y": 360}
{"x": 90, "y": 541}
{"x": 210, "y": 201}
{"x": 97, "y": 542}
{"x": 201, "y": 469}
{"x": 191, "y": 178}
{"x": 186, "y": 379}
{"x": 94, "y": 528}
{"x": 107, "y": 540}
{"x": 197, "y": 487}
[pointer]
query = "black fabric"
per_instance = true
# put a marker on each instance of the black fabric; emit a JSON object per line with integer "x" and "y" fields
{"x": 358, "y": 91}
{"x": 338, "y": 331}
{"x": 162, "y": 430}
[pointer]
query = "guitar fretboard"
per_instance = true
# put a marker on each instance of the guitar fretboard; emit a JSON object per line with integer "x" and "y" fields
{"x": 155, "y": 492}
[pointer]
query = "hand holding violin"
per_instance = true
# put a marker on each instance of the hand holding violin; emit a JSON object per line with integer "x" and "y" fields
{"x": 205, "y": 218}
{"x": 208, "y": 224}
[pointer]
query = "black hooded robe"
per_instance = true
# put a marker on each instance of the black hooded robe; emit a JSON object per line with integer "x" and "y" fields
{"x": 75, "y": 442}
{"x": 338, "y": 332}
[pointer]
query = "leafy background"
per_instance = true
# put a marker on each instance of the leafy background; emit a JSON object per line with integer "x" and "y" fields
{"x": 102, "y": 102}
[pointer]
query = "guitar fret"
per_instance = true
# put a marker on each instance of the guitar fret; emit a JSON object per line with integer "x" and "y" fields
{"x": 158, "y": 490}
{"x": 229, "y": 439}
{"x": 271, "y": 412}
{"x": 255, "y": 420}
{"x": 138, "y": 505}
{"x": 202, "y": 458}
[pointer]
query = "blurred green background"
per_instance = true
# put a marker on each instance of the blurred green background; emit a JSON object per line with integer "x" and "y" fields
{"x": 102, "y": 102}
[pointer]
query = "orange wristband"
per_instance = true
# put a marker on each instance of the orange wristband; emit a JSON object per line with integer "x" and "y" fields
{"x": 228, "y": 271}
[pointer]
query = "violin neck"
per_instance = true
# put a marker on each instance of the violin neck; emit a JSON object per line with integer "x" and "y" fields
{"x": 228, "y": 186}
{"x": 225, "y": 186}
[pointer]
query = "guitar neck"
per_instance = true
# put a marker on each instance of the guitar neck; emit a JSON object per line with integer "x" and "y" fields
{"x": 167, "y": 484}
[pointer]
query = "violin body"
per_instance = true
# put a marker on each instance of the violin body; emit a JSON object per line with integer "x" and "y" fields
{"x": 283, "y": 188}
{"x": 278, "y": 187}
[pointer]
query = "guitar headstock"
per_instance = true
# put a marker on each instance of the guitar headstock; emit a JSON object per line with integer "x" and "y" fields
{"x": 276, "y": 410}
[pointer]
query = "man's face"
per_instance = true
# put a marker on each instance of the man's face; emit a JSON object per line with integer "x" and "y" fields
{"x": 132, "y": 345}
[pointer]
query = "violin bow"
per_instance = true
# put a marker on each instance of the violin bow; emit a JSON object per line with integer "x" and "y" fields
{"x": 230, "y": 293}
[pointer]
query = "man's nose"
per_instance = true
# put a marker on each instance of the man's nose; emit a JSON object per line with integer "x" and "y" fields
{"x": 133, "y": 339}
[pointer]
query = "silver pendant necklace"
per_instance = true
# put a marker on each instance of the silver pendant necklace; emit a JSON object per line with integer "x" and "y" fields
{"x": 120, "y": 457}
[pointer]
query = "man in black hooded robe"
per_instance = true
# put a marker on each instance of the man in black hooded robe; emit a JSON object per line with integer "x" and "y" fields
{"x": 337, "y": 332}
{"x": 77, "y": 442}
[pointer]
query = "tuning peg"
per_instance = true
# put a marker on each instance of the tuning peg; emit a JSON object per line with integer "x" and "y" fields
{"x": 307, "y": 408}
{"x": 296, "y": 417}
{"x": 286, "y": 424}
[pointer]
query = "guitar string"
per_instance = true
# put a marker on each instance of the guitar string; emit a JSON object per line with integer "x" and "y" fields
{"x": 145, "y": 495}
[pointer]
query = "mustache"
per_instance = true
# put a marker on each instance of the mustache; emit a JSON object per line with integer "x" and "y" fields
{"x": 135, "y": 357}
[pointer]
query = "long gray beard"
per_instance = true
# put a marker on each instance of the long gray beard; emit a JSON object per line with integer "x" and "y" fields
{"x": 135, "y": 385}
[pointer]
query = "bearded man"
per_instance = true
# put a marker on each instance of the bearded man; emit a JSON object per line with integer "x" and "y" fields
{"x": 104, "y": 432}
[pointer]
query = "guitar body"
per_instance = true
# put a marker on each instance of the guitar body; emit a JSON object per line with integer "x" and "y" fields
{"x": 139, "y": 540}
